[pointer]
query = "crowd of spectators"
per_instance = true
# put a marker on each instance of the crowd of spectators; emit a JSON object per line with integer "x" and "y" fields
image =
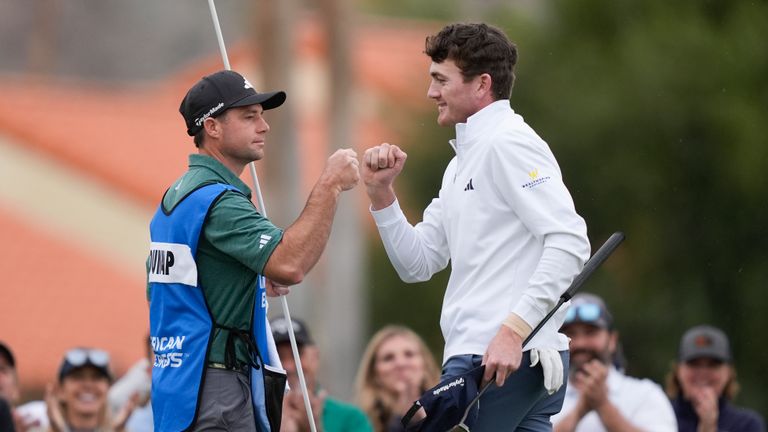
{"x": 395, "y": 369}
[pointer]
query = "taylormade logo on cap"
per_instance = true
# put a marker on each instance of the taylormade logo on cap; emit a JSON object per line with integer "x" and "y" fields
{"x": 199, "y": 121}
{"x": 450, "y": 385}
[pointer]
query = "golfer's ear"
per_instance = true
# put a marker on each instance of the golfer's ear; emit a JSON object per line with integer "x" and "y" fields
{"x": 484, "y": 84}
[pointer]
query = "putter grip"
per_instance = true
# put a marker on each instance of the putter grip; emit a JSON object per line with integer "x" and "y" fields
{"x": 593, "y": 263}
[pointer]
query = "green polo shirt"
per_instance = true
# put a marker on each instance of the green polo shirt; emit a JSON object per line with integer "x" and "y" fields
{"x": 233, "y": 249}
{"x": 343, "y": 417}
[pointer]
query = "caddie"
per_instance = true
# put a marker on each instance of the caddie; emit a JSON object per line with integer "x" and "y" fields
{"x": 215, "y": 364}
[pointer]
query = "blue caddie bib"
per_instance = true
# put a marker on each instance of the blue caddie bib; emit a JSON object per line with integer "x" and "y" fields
{"x": 181, "y": 325}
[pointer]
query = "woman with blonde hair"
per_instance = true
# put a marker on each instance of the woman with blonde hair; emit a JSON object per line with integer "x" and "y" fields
{"x": 396, "y": 368}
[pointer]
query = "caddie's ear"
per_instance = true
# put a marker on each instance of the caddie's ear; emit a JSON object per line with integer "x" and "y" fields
{"x": 212, "y": 127}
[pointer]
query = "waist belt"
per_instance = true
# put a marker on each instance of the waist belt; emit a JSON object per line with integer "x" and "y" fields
{"x": 243, "y": 369}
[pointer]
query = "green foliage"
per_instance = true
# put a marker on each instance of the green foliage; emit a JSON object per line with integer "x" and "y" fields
{"x": 657, "y": 114}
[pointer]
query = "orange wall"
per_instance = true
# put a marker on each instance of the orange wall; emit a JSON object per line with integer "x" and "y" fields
{"x": 75, "y": 299}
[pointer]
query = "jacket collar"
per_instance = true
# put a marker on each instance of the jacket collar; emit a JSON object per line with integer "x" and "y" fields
{"x": 478, "y": 124}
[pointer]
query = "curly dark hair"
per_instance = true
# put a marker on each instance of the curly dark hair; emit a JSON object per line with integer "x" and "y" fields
{"x": 477, "y": 48}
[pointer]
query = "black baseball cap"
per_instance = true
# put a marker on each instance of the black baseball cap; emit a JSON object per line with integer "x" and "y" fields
{"x": 704, "y": 341}
{"x": 78, "y": 358}
{"x": 589, "y": 309}
{"x": 7, "y": 354}
{"x": 219, "y": 91}
{"x": 280, "y": 331}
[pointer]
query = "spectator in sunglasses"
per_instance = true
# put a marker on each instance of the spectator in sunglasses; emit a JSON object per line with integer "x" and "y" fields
{"x": 599, "y": 397}
{"x": 78, "y": 401}
{"x": 702, "y": 385}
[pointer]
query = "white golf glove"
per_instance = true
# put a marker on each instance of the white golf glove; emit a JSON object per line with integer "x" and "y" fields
{"x": 551, "y": 364}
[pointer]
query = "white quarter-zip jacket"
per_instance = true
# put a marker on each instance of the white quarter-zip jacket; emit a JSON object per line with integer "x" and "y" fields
{"x": 506, "y": 222}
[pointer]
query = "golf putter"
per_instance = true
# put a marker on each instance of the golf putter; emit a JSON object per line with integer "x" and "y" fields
{"x": 592, "y": 264}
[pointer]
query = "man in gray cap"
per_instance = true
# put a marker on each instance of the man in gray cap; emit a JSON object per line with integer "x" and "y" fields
{"x": 599, "y": 397}
{"x": 703, "y": 384}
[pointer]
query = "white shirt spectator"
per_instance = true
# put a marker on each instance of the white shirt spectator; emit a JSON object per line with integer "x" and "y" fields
{"x": 34, "y": 413}
{"x": 641, "y": 401}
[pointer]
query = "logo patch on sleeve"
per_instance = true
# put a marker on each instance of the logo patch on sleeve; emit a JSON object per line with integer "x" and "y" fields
{"x": 263, "y": 240}
{"x": 534, "y": 179}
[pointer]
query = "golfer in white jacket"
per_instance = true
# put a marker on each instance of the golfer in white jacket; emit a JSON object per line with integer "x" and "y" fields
{"x": 505, "y": 221}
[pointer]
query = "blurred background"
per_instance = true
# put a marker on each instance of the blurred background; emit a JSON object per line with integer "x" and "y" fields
{"x": 657, "y": 112}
